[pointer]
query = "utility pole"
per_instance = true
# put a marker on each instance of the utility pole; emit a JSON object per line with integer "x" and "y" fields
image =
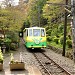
{"x": 73, "y": 27}
{"x": 65, "y": 29}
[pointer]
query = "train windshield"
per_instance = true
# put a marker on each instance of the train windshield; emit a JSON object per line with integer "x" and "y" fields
{"x": 36, "y": 32}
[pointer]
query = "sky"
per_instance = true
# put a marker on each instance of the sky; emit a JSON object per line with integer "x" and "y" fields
{"x": 15, "y": 1}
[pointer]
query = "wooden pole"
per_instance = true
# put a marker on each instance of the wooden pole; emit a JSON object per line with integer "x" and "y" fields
{"x": 65, "y": 29}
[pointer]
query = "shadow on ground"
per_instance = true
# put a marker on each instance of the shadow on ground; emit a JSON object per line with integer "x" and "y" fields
{"x": 36, "y": 50}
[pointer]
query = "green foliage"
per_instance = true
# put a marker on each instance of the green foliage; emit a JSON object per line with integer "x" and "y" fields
{"x": 47, "y": 27}
{"x": 69, "y": 43}
{"x": 1, "y": 56}
{"x": 11, "y": 19}
{"x": 69, "y": 36}
{"x": 35, "y": 12}
{"x": 11, "y": 40}
{"x": 54, "y": 32}
{"x": 13, "y": 46}
{"x": 49, "y": 31}
{"x": 1, "y": 40}
{"x": 61, "y": 39}
{"x": 26, "y": 24}
{"x": 49, "y": 38}
{"x": 52, "y": 11}
{"x": 60, "y": 28}
{"x": 56, "y": 40}
{"x": 7, "y": 40}
{"x": 13, "y": 36}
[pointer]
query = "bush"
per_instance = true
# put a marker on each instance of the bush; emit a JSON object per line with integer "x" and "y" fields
{"x": 49, "y": 38}
{"x": 54, "y": 32}
{"x": 1, "y": 40}
{"x": 60, "y": 28}
{"x": 61, "y": 39}
{"x": 13, "y": 36}
{"x": 47, "y": 27}
{"x": 56, "y": 40}
{"x": 49, "y": 31}
{"x": 69, "y": 43}
{"x": 13, "y": 46}
{"x": 7, "y": 40}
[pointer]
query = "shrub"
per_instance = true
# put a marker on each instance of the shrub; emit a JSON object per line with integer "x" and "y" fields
{"x": 1, "y": 40}
{"x": 1, "y": 56}
{"x": 47, "y": 27}
{"x": 49, "y": 38}
{"x": 56, "y": 40}
{"x": 69, "y": 36}
{"x": 54, "y": 32}
{"x": 49, "y": 31}
{"x": 7, "y": 40}
{"x": 13, "y": 46}
{"x": 60, "y": 28}
{"x": 13, "y": 36}
{"x": 61, "y": 39}
{"x": 69, "y": 43}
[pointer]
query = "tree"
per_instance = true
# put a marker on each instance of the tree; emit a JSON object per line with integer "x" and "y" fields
{"x": 35, "y": 12}
{"x": 11, "y": 18}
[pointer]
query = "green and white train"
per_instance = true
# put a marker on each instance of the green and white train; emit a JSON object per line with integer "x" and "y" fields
{"x": 34, "y": 37}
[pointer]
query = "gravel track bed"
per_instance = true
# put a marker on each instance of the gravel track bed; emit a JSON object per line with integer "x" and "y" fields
{"x": 50, "y": 66}
{"x": 64, "y": 62}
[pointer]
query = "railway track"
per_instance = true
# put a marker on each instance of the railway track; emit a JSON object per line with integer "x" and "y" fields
{"x": 49, "y": 66}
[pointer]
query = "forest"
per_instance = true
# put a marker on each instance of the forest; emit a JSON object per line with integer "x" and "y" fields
{"x": 42, "y": 13}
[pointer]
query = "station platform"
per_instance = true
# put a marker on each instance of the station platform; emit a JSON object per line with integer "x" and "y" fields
{"x": 29, "y": 70}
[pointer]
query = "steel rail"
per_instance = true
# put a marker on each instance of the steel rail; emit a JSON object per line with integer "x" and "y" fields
{"x": 57, "y": 64}
{"x": 41, "y": 64}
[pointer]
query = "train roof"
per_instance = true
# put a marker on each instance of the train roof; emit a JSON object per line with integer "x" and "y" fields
{"x": 34, "y": 28}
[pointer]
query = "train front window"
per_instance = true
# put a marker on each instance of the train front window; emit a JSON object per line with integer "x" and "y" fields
{"x": 30, "y": 32}
{"x": 36, "y": 32}
{"x": 42, "y": 32}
